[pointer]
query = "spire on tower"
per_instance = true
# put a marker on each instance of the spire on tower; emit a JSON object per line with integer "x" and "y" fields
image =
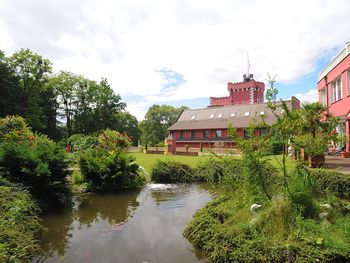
{"x": 248, "y": 64}
{"x": 248, "y": 76}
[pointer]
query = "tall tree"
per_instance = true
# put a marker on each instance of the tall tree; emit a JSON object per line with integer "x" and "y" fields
{"x": 157, "y": 120}
{"x": 65, "y": 85}
{"x": 32, "y": 72}
{"x": 11, "y": 94}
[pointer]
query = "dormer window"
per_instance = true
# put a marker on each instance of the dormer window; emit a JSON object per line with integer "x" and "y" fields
{"x": 233, "y": 115}
{"x": 193, "y": 117}
{"x": 211, "y": 116}
{"x": 247, "y": 113}
{"x": 220, "y": 115}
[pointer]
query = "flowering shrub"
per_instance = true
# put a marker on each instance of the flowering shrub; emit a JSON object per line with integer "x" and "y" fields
{"x": 34, "y": 161}
{"x": 15, "y": 129}
{"x": 111, "y": 140}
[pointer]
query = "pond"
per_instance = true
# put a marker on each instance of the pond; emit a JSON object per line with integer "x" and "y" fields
{"x": 132, "y": 226}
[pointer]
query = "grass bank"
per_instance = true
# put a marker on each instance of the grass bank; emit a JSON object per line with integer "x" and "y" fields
{"x": 311, "y": 223}
{"x": 147, "y": 161}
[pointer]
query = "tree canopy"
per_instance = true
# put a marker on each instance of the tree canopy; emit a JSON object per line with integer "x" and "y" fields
{"x": 62, "y": 104}
{"x": 157, "y": 120}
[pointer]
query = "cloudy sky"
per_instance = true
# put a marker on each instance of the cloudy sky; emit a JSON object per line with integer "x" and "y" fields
{"x": 180, "y": 52}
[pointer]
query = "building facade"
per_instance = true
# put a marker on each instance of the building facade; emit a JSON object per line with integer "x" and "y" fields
{"x": 334, "y": 91}
{"x": 208, "y": 127}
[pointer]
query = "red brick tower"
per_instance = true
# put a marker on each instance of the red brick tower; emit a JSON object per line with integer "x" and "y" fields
{"x": 247, "y": 92}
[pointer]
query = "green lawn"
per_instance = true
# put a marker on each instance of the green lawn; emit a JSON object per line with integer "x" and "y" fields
{"x": 148, "y": 160}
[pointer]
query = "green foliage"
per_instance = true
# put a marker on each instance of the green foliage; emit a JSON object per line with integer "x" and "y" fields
{"x": 330, "y": 182}
{"x": 109, "y": 170}
{"x": 227, "y": 232}
{"x": 157, "y": 120}
{"x": 19, "y": 226}
{"x": 112, "y": 140}
{"x": 86, "y": 105}
{"x": 33, "y": 161}
{"x": 13, "y": 128}
{"x": 77, "y": 178}
{"x": 81, "y": 142}
{"x": 271, "y": 92}
{"x": 127, "y": 123}
{"x": 173, "y": 172}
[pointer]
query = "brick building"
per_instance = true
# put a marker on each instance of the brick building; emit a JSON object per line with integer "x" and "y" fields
{"x": 209, "y": 126}
{"x": 334, "y": 90}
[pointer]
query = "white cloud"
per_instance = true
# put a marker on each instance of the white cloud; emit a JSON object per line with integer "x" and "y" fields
{"x": 308, "y": 97}
{"x": 130, "y": 41}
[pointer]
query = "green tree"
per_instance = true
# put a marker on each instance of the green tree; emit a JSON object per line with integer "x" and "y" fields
{"x": 271, "y": 92}
{"x": 157, "y": 120}
{"x": 65, "y": 85}
{"x": 32, "y": 71}
{"x": 125, "y": 122}
{"x": 11, "y": 93}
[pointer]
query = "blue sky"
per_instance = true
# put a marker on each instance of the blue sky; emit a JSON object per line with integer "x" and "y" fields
{"x": 180, "y": 52}
{"x": 302, "y": 86}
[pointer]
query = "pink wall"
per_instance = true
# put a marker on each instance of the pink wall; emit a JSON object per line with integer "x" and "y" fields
{"x": 341, "y": 107}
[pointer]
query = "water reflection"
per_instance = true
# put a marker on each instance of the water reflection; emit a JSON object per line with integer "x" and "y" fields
{"x": 134, "y": 226}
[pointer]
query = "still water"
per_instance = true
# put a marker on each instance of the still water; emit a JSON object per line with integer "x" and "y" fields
{"x": 134, "y": 226}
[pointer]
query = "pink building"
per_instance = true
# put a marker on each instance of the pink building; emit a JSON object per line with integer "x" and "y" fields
{"x": 334, "y": 90}
{"x": 208, "y": 127}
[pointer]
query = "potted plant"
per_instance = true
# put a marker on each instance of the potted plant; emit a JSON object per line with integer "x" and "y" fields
{"x": 345, "y": 154}
{"x": 186, "y": 147}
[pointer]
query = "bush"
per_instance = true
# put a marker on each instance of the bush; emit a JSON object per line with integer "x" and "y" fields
{"x": 80, "y": 142}
{"x": 112, "y": 140}
{"x": 173, "y": 172}
{"x": 13, "y": 128}
{"x": 212, "y": 169}
{"x": 109, "y": 170}
{"x": 19, "y": 226}
{"x": 330, "y": 182}
{"x": 38, "y": 164}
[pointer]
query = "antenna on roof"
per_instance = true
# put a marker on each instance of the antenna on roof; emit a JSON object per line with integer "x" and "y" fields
{"x": 248, "y": 64}
{"x": 248, "y": 76}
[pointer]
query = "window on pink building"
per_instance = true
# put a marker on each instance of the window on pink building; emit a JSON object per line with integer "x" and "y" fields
{"x": 323, "y": 96}
{"x": 336, "y": 90}
{"x": 206, "y": 134}
{"x": 182, "y": 134}
{"x": 348, "y": 82}
{"x": 218, "y": 133}
{"x": 193, "y": 134}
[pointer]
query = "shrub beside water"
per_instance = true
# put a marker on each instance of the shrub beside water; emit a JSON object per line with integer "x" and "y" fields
{"x": 227, "y": 232}
{"x": 331, "y": 182}
{"x": 173, "y": 172}
{"x": 19, "y": 226}
{"x": 33, "y": 161}
{"x": 110, "y": 170}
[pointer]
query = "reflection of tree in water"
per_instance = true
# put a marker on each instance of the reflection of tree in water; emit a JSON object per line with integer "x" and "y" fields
{"x": 57, "y": 237}
{"x": 111, "y": 207}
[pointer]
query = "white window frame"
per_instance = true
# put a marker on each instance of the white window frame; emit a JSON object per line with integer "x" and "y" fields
{"x": 336, "y": 90}
{"x": 323, "y": 96}
{"x": 348, "y": 82}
